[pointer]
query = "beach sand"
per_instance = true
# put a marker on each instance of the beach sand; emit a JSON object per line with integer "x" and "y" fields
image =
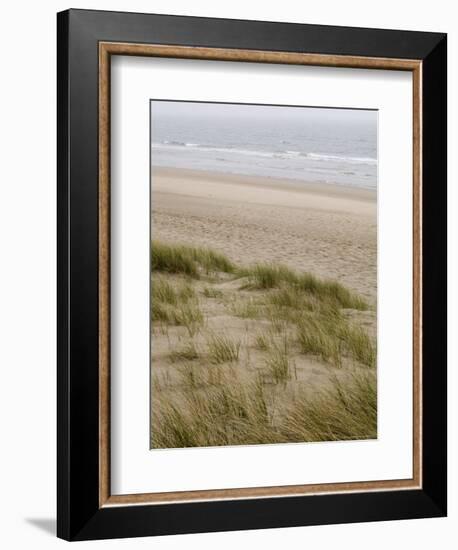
{"x": 328, "y": 230}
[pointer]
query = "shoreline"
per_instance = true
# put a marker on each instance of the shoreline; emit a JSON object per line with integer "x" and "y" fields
{"x": 273, "y": 183}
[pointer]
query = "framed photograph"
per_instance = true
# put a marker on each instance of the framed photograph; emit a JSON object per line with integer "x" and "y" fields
{"x": 251, "y": 274}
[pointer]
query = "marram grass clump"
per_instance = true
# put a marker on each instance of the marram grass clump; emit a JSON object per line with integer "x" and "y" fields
{"x": 188, "y": 260}
{"x": 269, "y": 276}
{"x": 222, "y": 349}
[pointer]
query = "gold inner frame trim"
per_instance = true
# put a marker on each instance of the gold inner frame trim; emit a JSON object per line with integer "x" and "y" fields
{"x": 106, "y": 50}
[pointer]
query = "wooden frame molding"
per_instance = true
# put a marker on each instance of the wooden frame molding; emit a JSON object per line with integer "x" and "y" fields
{"x": 106, "y": 50}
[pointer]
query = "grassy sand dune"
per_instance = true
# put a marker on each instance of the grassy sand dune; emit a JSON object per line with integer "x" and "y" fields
{"x": 256, "y": 354}
{"x": 330, "y": 230}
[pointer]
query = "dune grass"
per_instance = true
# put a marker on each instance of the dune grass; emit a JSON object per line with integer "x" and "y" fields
{"x": 237, "y": 413}
{"x": 347, "y": 410}
{"x": 207, "y": 395}
{"x": 332, "y": 337}
{"x": 168, "y": 298}
{"x": 191, "y": 261}
{"x": 267, "y": 276}
{"x": 187, "y": 315}
{"x": 270, "y": 276}
{"x": 222, "y": 349}
{"x": 191, "y": 376}
{"x": 279, "y": 364}
{"x": 165, "y": 292}
{"x": 247, "y": 308}
{"x": 314, "y": 339}
{"x": 189, "y": 352}
{"x": 358, "y": 344}
{"x": 173, "y": 259}
{"x": 188, "y": 260}
{"x": 312, "y": 305}
{"x": 191, "y": 317}
{"x": 162, "y": 291}
{"x": 263, "y": 341}
{"x": 291, "y": 297}
{"x": 227, "y": 414}
{"x": 175, "y": 304}
{"x": 212, "y": 261}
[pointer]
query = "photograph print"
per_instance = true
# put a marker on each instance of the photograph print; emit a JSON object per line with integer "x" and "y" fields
{"x": 263, "y": 274}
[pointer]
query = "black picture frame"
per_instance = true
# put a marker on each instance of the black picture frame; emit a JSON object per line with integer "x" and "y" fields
{"x": 79, "y": 514}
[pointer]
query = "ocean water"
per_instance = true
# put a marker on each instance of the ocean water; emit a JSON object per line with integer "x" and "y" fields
{"x": 337, "y": 146}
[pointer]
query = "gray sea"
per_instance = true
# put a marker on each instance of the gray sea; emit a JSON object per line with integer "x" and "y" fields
{"x": 308, "y": 144}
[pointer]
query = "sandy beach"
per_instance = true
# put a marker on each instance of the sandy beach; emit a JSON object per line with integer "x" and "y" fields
{"x": 217, "y": 338}
{"x": 328, "y": 230}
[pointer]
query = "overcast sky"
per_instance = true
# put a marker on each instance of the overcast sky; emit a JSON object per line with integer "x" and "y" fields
{"x": 195, "y": 110}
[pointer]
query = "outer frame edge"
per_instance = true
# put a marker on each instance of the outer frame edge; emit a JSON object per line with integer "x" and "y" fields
{"x": 434, "y": 290}
{"x": 63, "y": 447}
{"x": 110, "y": 523}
